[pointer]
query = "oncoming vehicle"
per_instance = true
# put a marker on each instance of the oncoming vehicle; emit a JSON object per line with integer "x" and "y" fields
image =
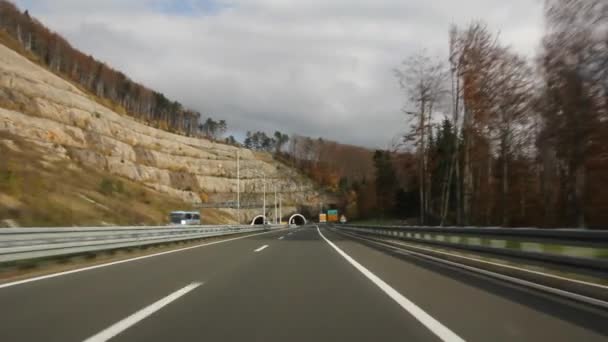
{"x": 185, "y": 218}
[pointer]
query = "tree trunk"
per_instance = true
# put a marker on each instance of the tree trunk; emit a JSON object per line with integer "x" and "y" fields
{"x": 458, "y": 180}
{"x": 467, "y": 182}
{"x": 28, "y": 45}
{"x": 421, "y": 162}
{"x": 445, "y": 193}
{"x": 505, "y": 181}
{"x": 490, "y": 184}
{"x": 19, "y": 38}
{"x": 505, "y": 190}
{"x": 427, "y": 176}
{"x": 545, "y": 175}
{"x": 421, "y": 187}
{"x": 455, "y": 162}
{"x": 579, "y": 190}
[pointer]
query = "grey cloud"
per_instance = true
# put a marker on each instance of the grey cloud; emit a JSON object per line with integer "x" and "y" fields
{"x": 316, "y": 67}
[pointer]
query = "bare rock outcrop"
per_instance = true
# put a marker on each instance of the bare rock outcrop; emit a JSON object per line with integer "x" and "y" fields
{"x": 49, "y": 111}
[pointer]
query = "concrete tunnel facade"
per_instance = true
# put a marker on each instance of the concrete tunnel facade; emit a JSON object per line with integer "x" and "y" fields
{"x": 297, "y": 219}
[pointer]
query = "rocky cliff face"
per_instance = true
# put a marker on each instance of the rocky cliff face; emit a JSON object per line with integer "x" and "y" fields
{"x": 69, "y": 124}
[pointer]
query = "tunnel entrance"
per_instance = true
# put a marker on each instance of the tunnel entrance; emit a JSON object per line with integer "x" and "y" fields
{"x": 297, "y": 219}
{"x": 257, "y": 220}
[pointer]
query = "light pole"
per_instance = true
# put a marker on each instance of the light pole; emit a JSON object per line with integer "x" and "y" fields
{"x": 275, "y": 203}
{"x": 264, "y": 174}
{"x": 280, "y": 210}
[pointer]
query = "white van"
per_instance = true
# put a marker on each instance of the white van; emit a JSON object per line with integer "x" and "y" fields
{"x": 185, "y": 218}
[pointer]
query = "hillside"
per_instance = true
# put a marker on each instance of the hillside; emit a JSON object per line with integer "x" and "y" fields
{"x": 112, "y": 87}
{"x": 67, "y": 159}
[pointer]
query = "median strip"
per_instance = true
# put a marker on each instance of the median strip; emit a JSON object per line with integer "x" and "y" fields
{"x": 128, "y": 322}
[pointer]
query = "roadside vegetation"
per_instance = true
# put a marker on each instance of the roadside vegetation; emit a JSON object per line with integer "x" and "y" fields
{"x": 38, "y": 190}
{"x": 499, "y": 138}
{"x": 493, "y": 137}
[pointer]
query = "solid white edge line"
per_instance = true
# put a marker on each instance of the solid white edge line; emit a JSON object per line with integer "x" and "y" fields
{"x": 522, "y": 282}
{"x": 410, "y": 245}
{"x": 261, "y": 248}
{"x": 53, "y": 275}
{"x": 440, "y": 330}
{"x": 133, "y": 319}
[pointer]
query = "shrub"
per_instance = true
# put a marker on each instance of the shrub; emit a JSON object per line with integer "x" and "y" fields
{"x": 120, "y": 187}
{"x": 10, "y": 181}
{"x": 106, "y": 187}
{"x": 144, "y": 197}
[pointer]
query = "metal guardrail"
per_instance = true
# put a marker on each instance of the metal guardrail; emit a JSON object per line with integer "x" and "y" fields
{"x": 31, "y": 243}
{"x": 589, "y": 290}
{"x": 572, "y": 247}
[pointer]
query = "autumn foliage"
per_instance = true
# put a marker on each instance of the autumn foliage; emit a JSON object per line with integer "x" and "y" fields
{"x": 109, "y": 85}
{"x": 512, "y": 141}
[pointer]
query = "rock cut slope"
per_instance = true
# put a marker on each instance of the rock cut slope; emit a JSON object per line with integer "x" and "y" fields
{"x": 67, "y": 125}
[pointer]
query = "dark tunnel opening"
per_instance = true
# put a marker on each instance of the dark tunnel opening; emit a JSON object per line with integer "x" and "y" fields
{"x": 297, "y": 219}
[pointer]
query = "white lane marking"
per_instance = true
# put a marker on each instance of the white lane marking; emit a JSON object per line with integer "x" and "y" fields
{"x": 128, "y": 322}
{"x": 53, "y": 275}
{"x": 518, "y": 281}
{"x": 281, "y": 238}
{"x": 444, "y": 333}
{"x": 261, "y": 248}
{"x": 485, "y": 262}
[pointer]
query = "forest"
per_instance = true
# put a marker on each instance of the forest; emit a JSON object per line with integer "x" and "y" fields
{"x": 114, "y": 88}
{"x": 494, "y": 138}
{"x": 503, "y": 139}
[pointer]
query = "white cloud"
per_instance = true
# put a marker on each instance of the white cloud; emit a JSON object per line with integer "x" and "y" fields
{"x": 316, "y": 67}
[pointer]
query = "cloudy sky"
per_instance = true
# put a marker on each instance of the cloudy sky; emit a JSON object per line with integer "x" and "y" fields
{"x": 314, "y": 67}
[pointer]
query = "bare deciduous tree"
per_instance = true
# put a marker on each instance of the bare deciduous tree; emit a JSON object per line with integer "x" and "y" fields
{"x": 423, "y": 79}
{"x": 514, "y": 85}
{"x": 574, "y": 65}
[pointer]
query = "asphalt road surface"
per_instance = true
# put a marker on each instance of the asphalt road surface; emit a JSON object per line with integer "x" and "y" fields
{"x": 300, "y": 284}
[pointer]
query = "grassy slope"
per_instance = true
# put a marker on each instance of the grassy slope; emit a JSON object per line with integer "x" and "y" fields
{"x": 38, "y": 192}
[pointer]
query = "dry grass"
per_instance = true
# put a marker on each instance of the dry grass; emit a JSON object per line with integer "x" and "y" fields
{"x": 216, "y": 216}
{"x": 263, "y": 156}
{"x": 61, "y": 194}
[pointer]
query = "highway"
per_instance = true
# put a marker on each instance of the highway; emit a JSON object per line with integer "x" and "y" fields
{"x": 298, "y": 284}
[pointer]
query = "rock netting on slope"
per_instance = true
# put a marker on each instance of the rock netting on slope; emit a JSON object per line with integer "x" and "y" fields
{"x": 43, "y": 108}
